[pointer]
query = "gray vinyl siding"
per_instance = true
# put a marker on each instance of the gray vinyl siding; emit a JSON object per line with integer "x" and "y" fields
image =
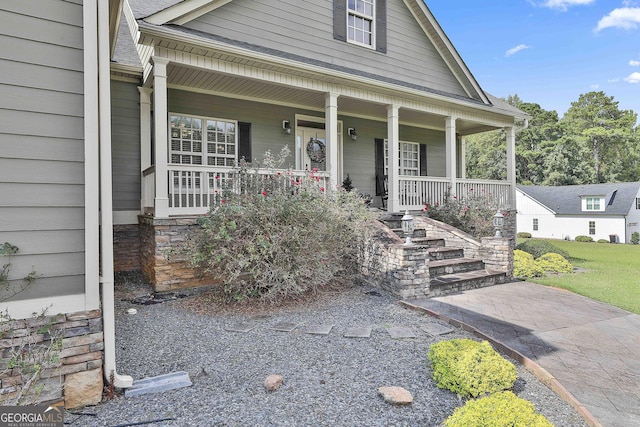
{"x": 42, "y": 143}
{"x": 267, "y": 134}
{"x": 125, "y": 145}
{"x": 307, "y": 31}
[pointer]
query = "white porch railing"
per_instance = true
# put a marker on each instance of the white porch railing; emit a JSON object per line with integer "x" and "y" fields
{"x": 192, "y": 189}
{"x": 416, "y": 191}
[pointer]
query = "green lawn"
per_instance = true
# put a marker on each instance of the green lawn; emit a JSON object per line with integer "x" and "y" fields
{"x": 611, "y": 273}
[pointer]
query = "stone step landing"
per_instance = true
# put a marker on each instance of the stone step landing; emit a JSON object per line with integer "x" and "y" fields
{"x": 457, "y": 282}
{"x": 455, "y": 265}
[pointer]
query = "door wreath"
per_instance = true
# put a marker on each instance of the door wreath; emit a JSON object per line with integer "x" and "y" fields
{"x": 317, "y": 150}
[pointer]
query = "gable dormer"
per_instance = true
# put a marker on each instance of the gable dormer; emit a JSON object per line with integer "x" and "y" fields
{"x": 361, "y": 22}
{"x": 593, "y": 203}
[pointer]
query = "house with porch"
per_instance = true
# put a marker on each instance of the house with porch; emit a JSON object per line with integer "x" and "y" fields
{"x": 608, "y": 211}
{"x": 350, "y": 87}
{"x": 119, "y": 120}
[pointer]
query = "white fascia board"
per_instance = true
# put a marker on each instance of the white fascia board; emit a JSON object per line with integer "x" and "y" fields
{"x": 185, "y": 11}
{"x": 537, "y": 202}
{"x": 154, "y": 33}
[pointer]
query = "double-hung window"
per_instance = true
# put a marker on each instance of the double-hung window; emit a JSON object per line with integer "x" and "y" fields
{"x": 535, "y": 224}
{"x": 203, "y": 141}
{"x": 409, "y": 158}
{"x": 361, "y": 22}
{"x": 592, "y": 228}
{"x": 593, "y": 203}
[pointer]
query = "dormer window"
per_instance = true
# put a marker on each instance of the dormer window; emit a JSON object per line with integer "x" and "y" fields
{"x": 592, "y": 204}
{"x": 360, "y": 22}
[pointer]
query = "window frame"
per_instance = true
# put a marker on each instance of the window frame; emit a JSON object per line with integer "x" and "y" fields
{"x": 228, "y": 158}
{"x": 593, "y": 204}
{"x": 402, "y": 159}
{"x": 535, "y": 224}
{"x": 371, "y": 19}
{"x": 637, "y": 203}
{"x": 592, "y": 228}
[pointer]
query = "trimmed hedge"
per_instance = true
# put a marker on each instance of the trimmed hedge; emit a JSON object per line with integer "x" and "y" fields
{"x": 524, "y": 265}
{"x": 470, "y": 368}
{"x": 537, "y": 248}
{"x": 554, "y": 263}
{"x": 587, "y": 239}
{"x": 524, "y": 235}
{"x": 502, "y": 409}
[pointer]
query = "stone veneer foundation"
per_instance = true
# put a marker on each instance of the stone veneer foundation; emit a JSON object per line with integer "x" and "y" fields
{"x": 163, "y": 268}
{"x": 77, "y": 380}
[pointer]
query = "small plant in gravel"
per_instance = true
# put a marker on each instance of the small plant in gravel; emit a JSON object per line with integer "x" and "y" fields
{"x": 278, "y": 236}
{"x": 502, "y": 409}
{"x": 472, "y": 214}
{"x": 470, "y": 368}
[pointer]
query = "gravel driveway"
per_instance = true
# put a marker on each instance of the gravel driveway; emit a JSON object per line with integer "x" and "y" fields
{"x": 329, "y": 380}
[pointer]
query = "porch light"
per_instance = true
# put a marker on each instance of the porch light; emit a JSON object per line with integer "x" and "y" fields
{"x": 352, "y": 133}
{"x": 407, "y": 227}
{"x": 498, "y": 223}
{"x": 286, "y": 125}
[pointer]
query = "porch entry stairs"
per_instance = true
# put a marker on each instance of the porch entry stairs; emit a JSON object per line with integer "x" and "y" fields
{"x": 449, "y": 271}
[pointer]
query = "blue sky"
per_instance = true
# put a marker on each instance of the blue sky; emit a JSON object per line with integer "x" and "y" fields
{"x": 548, "y": 52}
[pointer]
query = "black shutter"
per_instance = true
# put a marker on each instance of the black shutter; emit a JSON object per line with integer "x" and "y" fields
{"x": 244, "y": 141}
{"x": 340, "y": 20}
{"x": 423, "y": 159}
{"x": 381, "y": 26}
{"x": 379, "y": 162}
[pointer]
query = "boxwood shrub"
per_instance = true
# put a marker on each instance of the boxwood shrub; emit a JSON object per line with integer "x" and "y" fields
{"x": 470, "y": 368}
{"x": 502, "y": 409}
{"x": 525, "y": 266}
{"x": 584, "y": 239}
{"x": 524, "y": 235}
{"x": 554, "y": 263}
{"x": 537, "y": 248}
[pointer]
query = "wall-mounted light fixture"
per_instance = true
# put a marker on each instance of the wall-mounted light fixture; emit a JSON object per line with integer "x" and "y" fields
{"x": 286, "y": 125}
{"x": 352, "y": 133}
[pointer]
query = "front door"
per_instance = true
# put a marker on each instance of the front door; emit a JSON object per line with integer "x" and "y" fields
{"x": 311, "y": 149}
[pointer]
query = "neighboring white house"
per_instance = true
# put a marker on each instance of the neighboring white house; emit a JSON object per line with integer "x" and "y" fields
{"x": 601, "y": 211}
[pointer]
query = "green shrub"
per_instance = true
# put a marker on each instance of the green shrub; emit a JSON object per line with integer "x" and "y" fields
{"x": 472, "y": 214}
{"x": 603, "y": 241}
{"x": 537, "y": 248}
{"x": 584, "y": 239}
{"x": 524, "y": 265}
{"x": 503, "y": 409}
{"x": 554, "y": 263}
{"x": 524, "y": 235}
{"x": 280, "y": 236}
{"x": 635, "y": 238}
{"x": 469, "y": 368}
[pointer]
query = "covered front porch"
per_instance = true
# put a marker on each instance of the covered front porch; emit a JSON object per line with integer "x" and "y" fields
{"x": 204, "y": 120}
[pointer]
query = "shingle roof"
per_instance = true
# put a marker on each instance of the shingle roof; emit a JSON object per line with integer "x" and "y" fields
{"x": 566, "y": 200}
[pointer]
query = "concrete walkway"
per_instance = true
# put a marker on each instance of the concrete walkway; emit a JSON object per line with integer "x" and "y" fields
{"x": 587, "y": 351}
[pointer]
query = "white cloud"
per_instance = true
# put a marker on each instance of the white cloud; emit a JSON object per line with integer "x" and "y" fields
{"x": 626, "y": 18}
{"x": 564, "y": 4}
{"x": 616, "y": 80}
{"x": 634, "y": 63}
{"x": 594, "y": 87}
{"x": 516, "y": 49}
{"x": 633, "y": 78}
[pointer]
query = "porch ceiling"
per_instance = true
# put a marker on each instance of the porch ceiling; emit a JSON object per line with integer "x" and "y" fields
{"x": 215, "y": 83}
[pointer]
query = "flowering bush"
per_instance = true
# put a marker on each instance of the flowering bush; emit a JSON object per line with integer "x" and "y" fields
{"x": 554, "y": 263}
{"x": 472, "y": 214}
{"x": 524, "y": 265}
{"x": 279, "y": 236}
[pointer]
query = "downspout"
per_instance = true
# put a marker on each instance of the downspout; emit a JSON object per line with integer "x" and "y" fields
{"x": 106, "y": 202}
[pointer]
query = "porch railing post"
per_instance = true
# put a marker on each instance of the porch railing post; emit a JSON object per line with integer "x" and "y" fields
{"x": 393, "y": 172}
{"x": 161, "y": 140}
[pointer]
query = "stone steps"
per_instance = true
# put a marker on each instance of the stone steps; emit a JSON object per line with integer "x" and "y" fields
{"x": 453, "y": 266}
{"x": 443, "y": 252}
{"x": 457, "y": 282}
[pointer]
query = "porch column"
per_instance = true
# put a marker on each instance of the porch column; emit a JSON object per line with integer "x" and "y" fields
{"x": 463, "y": 157}
{"x": 145, "y": 136}
{"x": 450, "y": 136}
{"x": 511, "y": 165}
{"x": 331, "y": 134}
{"x": 393, "y": 142}
{"x": 160, "y": 127}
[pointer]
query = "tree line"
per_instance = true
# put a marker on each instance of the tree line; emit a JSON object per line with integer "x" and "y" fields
{"x": 594, "y": 142}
